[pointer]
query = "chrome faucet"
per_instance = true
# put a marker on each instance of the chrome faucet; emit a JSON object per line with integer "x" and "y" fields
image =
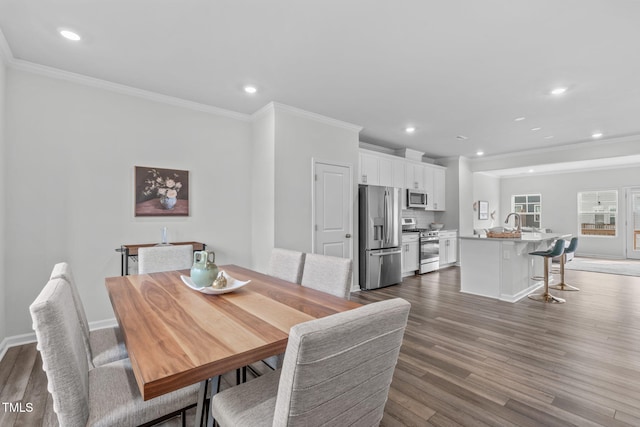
{"x": 518, "y": 220}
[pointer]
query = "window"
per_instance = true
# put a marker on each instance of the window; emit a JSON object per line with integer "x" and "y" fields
{"x": 598, "y": 212}
{"x": 529, "y": 206}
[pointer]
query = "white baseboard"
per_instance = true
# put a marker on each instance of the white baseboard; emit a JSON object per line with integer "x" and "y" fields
{"x": 16, "y": 340}
{"x": 101, "y": 324}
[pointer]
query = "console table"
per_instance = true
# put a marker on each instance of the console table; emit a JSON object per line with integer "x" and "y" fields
{"x": 131, "y": 251}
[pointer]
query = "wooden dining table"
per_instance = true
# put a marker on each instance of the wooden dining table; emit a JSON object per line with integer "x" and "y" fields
{"x": 177, "y": 336}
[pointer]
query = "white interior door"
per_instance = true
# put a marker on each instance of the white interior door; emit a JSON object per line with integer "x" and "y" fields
{"x": 633, "y": 223}
{"x": 333, "y": 212}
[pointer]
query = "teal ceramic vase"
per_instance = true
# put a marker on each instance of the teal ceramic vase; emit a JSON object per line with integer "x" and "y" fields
{"x": 204, "y": 270}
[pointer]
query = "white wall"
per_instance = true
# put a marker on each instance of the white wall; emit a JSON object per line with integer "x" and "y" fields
{"x": 466, "y": 197}
{"x": 3, "y": 186}
{"x": 299, "y": 138}
{"x": 71, "y": 151}
{"x": 263, "y": 188}
{"x": 487, "y": 188}
{"x": 559, "y": 203}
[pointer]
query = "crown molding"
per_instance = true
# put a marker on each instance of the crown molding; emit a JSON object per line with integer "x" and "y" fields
{"x": 6, "y": 56}
{"x": 58, "y": 74}
{"x": 558, "y": 148}
{"x": 313, "y": 116}
{"x": 269, "y": 108}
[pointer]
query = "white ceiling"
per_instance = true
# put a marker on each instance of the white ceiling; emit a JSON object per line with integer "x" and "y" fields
{"x": 455, "y": 67}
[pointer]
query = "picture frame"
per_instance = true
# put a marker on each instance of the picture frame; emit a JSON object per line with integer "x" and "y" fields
{"x": 161, "y": 192}
{"x": 483, "y": 209}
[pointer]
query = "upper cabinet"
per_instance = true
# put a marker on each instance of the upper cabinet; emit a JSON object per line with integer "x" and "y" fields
{"x": 394, "y": 171}
{"x": 414, "y": 173}
{"x": 435, "y": 186}
{"x": 369, "y": 169}
{"x": 398, "y": 167}
{"x": 378, "y": 170}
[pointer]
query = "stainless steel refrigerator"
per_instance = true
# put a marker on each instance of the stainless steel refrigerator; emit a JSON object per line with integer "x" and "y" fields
{"x": 380, "y": 262}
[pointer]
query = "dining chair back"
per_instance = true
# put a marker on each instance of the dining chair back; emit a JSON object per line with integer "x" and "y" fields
{"x": 327, "y": 274}
{"x": 102, "y": 345}
{"x": 154, "y": 259}
{"x": 103, "y": 396}
{"x": 286, "y": 264}
{"x": 337, "y": 371}
{"x": 61, "y": 346}
{"x": 62, "y": 270}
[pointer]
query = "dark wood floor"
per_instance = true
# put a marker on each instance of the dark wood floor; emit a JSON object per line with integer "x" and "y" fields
{"x": 474, "y": 361}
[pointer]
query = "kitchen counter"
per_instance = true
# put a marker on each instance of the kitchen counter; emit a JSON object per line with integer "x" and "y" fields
{"x": 528, "y": 237}
{"x": 502, "y": 267}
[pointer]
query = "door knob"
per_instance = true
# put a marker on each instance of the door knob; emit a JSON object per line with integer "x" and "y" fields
{"x": 348, "y": 236}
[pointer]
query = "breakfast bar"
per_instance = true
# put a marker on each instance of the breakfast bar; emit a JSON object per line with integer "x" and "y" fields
{"x": 501, "y": 267}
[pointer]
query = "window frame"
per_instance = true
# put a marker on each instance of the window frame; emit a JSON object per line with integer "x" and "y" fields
{"x": 598, "y": 230}
{"x": 523, "y": 209}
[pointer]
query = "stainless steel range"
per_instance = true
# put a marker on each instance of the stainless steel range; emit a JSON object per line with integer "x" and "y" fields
{"x": 429, "y": 245}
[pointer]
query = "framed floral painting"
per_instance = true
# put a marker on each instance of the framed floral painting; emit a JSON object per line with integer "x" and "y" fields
{"x": 161, "y": 192}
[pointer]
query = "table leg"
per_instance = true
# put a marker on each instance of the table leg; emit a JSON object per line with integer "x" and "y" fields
{"x": 215, "y": 387}
{"x": 202, "y": 394}
{"x": 125, "y": 262}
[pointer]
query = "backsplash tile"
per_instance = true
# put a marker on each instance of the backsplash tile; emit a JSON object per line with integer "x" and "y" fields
{"x": 423, "y": 218}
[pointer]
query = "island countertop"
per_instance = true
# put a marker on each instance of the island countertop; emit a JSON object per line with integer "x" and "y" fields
{"x": 525, "y": 237}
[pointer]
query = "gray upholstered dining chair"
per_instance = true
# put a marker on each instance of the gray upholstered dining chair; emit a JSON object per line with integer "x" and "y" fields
{"x": 101, "y": 345}
{"x": 103, "y": 396}
{"x": 154, "y": 259}
{"x": 337, "y": 371}
{"x": 286, "y": 264}
{"x": 327, "y": 274}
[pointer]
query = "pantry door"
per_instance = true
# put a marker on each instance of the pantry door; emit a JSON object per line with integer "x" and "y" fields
{"x": 333, "y": 212}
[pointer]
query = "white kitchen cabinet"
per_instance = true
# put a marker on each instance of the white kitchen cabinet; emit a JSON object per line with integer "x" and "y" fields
{"x": 410, "y": 253}
{"x": 376, "y": 170}
{"x": 448, "y": 247}
{"x": 434, "y": 178}
{"x": 414, "y": 176}
{"x": 439, "y": 189}
{"x": 428, "y": 186}
{"x": 369, "y": 169}
{"x": 393, "y": 171}
{"x": 385, "y": 172}
{"x": 398, "y": 173}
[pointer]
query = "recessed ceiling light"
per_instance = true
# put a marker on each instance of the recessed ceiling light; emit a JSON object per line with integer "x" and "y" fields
{"x": 531, "y": 170}
{"x": 480, "y": 153}
{"x": 535, "y": 129}
{"x": 410, "y": 129}
{"x": 548, "y": 137}
{"x": 250, "y": 89}
{"x": 70, "y": 35}
{"x": 462, "y": 137}
{"x": 518, "y": 119}
{"x": 596, "y": 135}
{"x": 558, "y": 91}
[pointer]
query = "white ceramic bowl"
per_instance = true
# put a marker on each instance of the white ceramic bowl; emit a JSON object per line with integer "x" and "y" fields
{"x": 436, "y": 226}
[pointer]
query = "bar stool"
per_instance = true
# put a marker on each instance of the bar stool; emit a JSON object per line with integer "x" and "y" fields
{"x": 558, "y": 249}
{"x": 563, "y": 260}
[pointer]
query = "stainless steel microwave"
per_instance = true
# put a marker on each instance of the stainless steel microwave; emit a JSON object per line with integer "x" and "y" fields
{"x": 416, "y": 199}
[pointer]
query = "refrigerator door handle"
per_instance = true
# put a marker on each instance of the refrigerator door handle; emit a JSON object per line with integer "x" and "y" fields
{"x": 385, "y": 253}
{"x": 387, "y": 217}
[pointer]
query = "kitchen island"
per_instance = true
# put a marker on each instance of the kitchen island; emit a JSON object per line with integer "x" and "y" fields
{"x": 502, "y": 267}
